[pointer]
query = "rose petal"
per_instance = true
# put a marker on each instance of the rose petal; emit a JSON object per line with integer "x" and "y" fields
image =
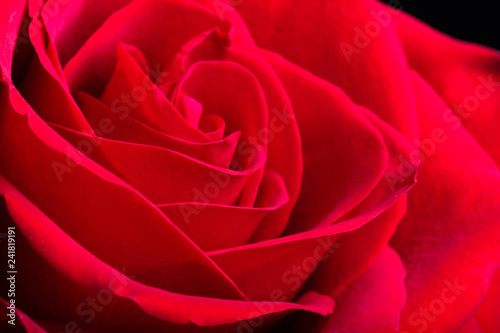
{"x": 131, "y": 92}
{"x": 190, "y": 109}
{"x": 283, "y": 139}
{"x": 350, "y": 260}
{"x": 212, "y": 84}
{"x": 11, "y": 15}
{"x": 98, "y": 210}
{"x": 345, "y": 42}
{"x": 328, "y": 121}
{"x": 282, "y": 135}
{"x": 68, "y": 22}
{"x": 52, "y": 99}
{"x": 226, "y": 12}
{"x": 471, "y": 327}
{"x": 466, "y": 76}
{"x": 449, "y": 259}
{"x": 275, "y": 271}
{"x": 91, "y": 67}
{"x": 273, "y": 259}
{"x": 280, "y": 267}
{"x": 85, "y": 270}
{"x": 489, "y": 311}
{"x": 373, "y": 302}
{"x": 401, "y": 167}
{"x": 44, "y": 47}
{"x": 162, "y": 175}
{"x": 213, "y": 126}
{"x": 117, "y": 126}
{"x": 214, "y": 227}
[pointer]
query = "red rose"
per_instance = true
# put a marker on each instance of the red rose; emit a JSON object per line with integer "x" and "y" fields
{"x": 246, "y": 166}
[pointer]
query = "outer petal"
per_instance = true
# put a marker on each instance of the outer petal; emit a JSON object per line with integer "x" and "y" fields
{"x": 350, "y": 260}
{"x": 471, "y": 327}
{"x": 346, "y": 42}
{"x": 75, "y": 263}
{"x": 488, "y": 313}
{"x": 280, "y": 267}
{"x": 449, "y": 240}
{"x": 373, "y": 302}
{"x": 466, "y": 76}
{"x": 336, "y": 182}
{"x": 52, "y": 100}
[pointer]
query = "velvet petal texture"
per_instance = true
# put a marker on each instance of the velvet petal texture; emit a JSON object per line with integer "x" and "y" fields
{"x": 130, "y": 89}
{"x": 92, "y": 65}
{"x": 212, "y": 84}
{"x": 338, "y": 53}
{"x": 449, "y": 259}
{"x": 465, "y": 75}
{"x": 280, "y": 267}
{"x": 74, "y": 262}
{"x": 68, "y": 24}
{"x": 373, "y": 302}
{"x": 114, "y": 125}
{"x": 96, "y": 204}
{"x": 487, "y": 314}
{"x": 243, "y": 166}
{"x": 470, "y": 327}
{"x": 215, "y": 227}
{"x": 272, "y": 265}
{"x": 281, "y": 136}
{"x": 52, "y": 100}
{"x": 349, "y": 261}
{"x": 335, "y": 124}
{"x": 155, "y": 172}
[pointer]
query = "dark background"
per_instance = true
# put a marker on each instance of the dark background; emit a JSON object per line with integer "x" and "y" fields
{"x": 475, "y": 21}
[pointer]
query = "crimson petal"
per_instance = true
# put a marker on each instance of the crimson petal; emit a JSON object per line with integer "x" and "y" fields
{"x": 352, "y": 40}
{"x": 71, "y": 260}
{"x": 97, "y": 204}
{"x": 449, "y": 259}
{"x": 336, "y": 182}
{"x": 373, "y": 302}
{"x": 465, "y": 75}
